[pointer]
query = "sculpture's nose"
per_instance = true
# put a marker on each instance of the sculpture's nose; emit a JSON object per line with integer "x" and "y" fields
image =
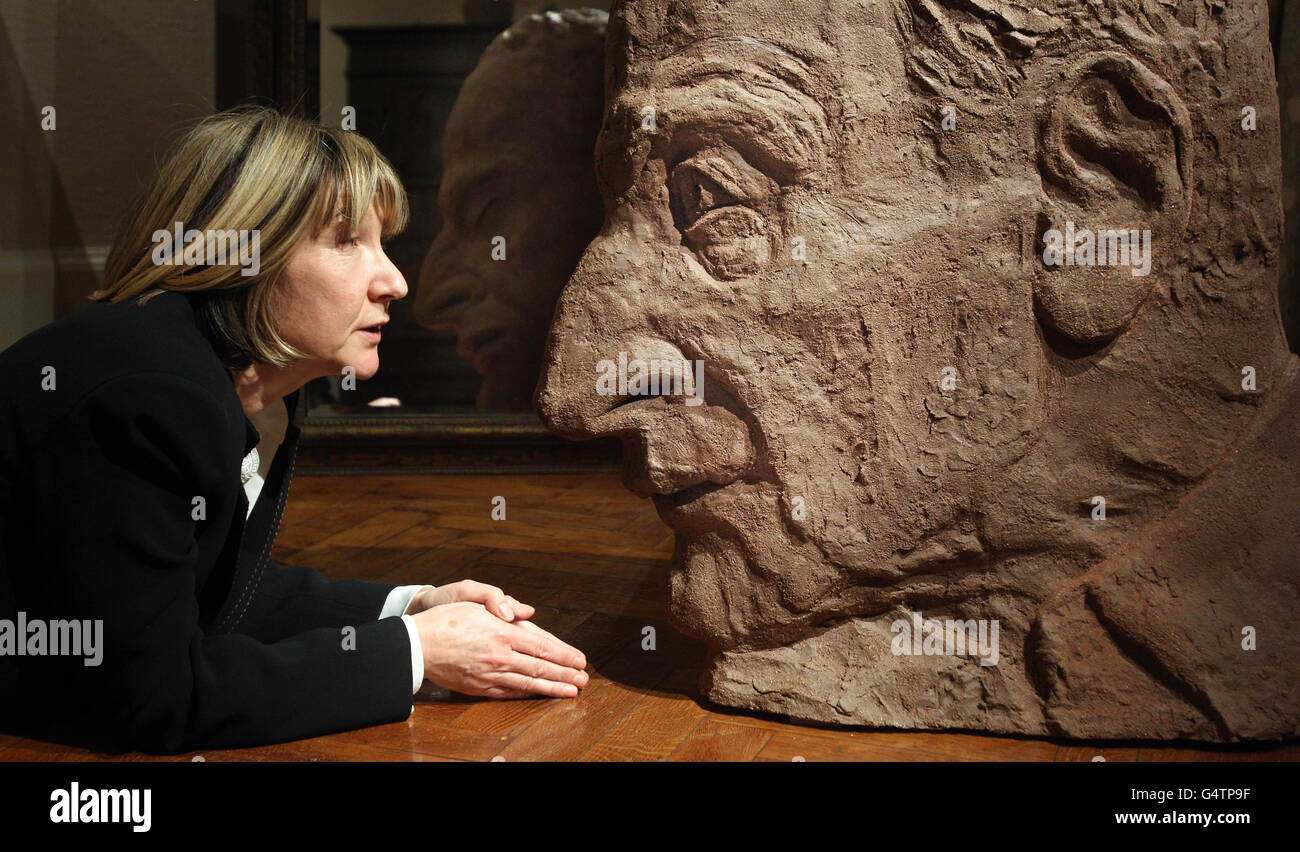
{"x": 431, "y": 275}
{"x": 600, "y": 313}
{"x": 608, "y": 330}
{"x": 606, "y": 319}
{"x": 445, "y": 286}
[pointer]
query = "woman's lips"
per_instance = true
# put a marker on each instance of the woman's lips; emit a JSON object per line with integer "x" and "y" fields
{"x": 372, "y": 334}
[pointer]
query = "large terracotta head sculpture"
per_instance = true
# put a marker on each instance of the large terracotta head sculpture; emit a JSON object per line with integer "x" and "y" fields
{"x": 983, "y": 298}
{"x": 518, "y": 197}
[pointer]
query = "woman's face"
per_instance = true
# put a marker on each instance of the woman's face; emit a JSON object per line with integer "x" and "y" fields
{"x": 334, "y": 295}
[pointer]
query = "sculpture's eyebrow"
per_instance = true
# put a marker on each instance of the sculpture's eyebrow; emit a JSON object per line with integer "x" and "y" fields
{"x": 754, "y": 93}
{"x": 739, "y": 55}
{"x": 460, "y": 185}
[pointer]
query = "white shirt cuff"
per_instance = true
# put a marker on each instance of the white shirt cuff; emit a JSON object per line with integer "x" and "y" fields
{"x": 417, "y": 657}
{"x": 399, "y": 600}
{"x": 397, "y": 603}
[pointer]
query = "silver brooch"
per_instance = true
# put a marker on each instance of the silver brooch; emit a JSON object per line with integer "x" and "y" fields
{"x": 249, "y": 466}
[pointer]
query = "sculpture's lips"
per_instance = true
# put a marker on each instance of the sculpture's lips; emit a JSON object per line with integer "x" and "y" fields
{"x": 450, "y": 297}
{"x": 443, "y": 303}
{"x": 487, "y": 357}
{"x": 484, "y": 338}
{"x": 684, "y": 510}
{"x": 473, "y": 341}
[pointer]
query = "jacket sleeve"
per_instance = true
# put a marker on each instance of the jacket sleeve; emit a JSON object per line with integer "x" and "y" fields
{"x": 293, "y": 599}
{"x": 117, "y": 488}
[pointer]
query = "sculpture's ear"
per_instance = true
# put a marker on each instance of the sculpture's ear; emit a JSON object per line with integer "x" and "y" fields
{"x": 1116, "y": 170}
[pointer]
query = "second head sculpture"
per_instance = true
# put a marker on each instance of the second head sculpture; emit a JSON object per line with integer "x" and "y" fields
{"x": 518, "y": 197}
{"x": 984, "y": 301}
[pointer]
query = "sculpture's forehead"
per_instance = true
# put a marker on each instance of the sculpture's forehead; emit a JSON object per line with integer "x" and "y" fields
{"x": 773, "y": 78}
{"x": 512, "y": 100}
{"x": 647, "y": 32}
{"x": 664, "y": 25}
{"x": 834, "y": 53}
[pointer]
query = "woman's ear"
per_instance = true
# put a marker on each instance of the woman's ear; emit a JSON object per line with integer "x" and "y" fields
{"x": 1116, "y": 174}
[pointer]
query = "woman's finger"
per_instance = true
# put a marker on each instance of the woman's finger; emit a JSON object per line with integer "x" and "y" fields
{"x": 540, "y": 669}
{"x": 502, "y": 692}
{"x": 521, "y": 610}
{"x": 492, "y": 598}
{"x": 532, "y": 685}
{"x": 536, "y": 642}
{"x": 579, "y": 661}
{"x": 530, "y": 626}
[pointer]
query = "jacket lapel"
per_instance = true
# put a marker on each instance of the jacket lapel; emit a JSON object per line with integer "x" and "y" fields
{"x": 260, "y": 528}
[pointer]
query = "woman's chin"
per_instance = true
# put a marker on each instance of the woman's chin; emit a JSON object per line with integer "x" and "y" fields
{"x": 364, "y": 366}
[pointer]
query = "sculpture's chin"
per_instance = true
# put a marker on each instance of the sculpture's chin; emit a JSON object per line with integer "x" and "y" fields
{"x": 711, "y": 594}
{"x": 717, "y": 595}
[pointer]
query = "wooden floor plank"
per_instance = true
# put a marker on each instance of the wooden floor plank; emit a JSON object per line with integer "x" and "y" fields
{"x": 716, "y": 740}
{"x": 630, "y": 603}
{"x": 319, "y": 749}
{"x": 563, "y": 623}
{"x": 1080, "y": 753}
{"x": 370, "y": 532}
{"x": 523, "y": 515}
{"x": 569, "y": 728}
{"x": 595, "y": 566}
{"x": 34, "y": 750}
{"x": 437, "y": 565}
{"x": 655, "y": 727}
{"x": 419, "y": 736}
{"x": 570, "y": 530}
{"x": 552, "y": 544}
{"x": 813, "y": 745}
{"x": 504, "y": 718}
{"x": 785, "y": 746}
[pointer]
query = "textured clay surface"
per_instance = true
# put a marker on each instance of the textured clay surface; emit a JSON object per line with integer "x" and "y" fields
{"x": 913, "y": 411}
{"x": 518, "y": 198}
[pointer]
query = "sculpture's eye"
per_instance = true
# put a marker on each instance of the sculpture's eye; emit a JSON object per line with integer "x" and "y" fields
{"x": 698, "y": 192}
{"x": 714, "y": 204}
{"x": 476, "y": 212}
{"x": 732, "y": 242}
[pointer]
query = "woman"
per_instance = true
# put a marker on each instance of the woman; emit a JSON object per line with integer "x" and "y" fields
{"x": 138, "y": 606}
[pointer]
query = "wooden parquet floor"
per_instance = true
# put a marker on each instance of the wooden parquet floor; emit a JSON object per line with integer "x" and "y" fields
{"x": 592, "y": 558}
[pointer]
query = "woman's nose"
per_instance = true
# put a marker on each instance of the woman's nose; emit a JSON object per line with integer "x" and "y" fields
{"x": 390, "y": 281}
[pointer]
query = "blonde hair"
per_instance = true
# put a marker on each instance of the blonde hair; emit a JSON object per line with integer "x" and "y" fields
{"x": 250, "y": 168}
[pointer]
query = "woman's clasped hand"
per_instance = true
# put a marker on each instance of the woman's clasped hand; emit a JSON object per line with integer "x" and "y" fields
{"x": 478, "y": 640}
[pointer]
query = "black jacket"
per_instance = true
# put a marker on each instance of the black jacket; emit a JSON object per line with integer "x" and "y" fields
{"x": 113, "y": 423}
